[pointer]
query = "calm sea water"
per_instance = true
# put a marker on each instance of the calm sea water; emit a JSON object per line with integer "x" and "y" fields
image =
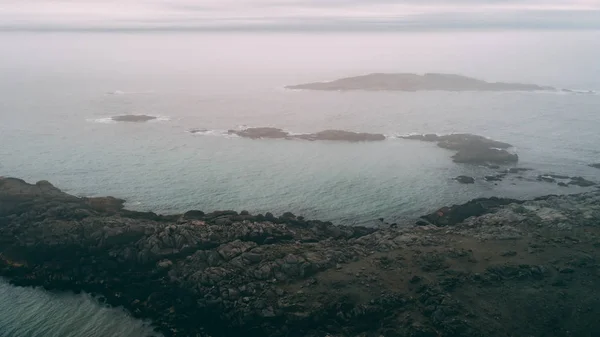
{"x": 58, "y": 92}
{"x": 28, "y": 312}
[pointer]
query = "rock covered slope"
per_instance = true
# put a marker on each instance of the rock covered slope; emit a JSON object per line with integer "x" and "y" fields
{"x": 491, "y": 267}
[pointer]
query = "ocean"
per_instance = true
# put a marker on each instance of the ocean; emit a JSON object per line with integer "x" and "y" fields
{"x": 58, "y": 92}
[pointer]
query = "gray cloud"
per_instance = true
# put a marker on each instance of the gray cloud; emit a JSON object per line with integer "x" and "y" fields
{"x": 299, "y": 14}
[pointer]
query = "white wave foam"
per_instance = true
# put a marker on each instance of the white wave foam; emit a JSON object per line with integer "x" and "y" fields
{"x": 161, "y": 119}
{"x": 107, "y": 120}
{"x": 214, "y": 133}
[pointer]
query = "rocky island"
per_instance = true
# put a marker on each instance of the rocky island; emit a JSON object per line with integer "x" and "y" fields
{"x": 491, "y": 267}
{"x": 133, "y": 118}
{"x": 331, "y": 135}
{"x": 416, "y": 82}
{"x": 471, "y": 149}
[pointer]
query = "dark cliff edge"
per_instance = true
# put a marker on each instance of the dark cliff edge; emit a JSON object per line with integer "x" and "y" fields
{"x": 490, "y": 267}
{"x": 415, "y": 82}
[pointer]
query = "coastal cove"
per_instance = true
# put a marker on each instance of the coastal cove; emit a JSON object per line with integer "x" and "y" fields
{"x": 246, "y": 206}
{"x": 68, "y": 134}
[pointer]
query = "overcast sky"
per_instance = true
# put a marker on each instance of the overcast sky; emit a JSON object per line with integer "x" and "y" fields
{"x": 299, "y": 14}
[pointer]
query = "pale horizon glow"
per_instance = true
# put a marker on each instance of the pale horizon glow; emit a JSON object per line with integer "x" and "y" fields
{"x": 19, "y": 14}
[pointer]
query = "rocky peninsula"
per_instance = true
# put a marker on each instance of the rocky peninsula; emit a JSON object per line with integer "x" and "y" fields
{"x": 416, "y": 82}
{"x": 491, "y": 267}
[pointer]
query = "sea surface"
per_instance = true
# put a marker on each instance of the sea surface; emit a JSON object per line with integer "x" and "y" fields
{"x": 58, "y": 92}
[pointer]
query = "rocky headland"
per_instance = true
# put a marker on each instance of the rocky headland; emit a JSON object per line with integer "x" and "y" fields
{"x": 331, "y": 135}
{"x": 415, "y": 82}
{"x": 490, "y": 267}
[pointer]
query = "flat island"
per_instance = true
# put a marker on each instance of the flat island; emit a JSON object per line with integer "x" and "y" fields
{"x": 331, "y": 135}
{"x": 133, "y": 118}
{"x": 491, "y": 267}
{"x": 415, "y": 82}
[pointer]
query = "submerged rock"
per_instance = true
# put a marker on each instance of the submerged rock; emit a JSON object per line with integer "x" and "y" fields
{"x": 595, "y": 165}
{"x": 465, "y": 179}
{"x": 415, "y": 82}
{"x": 580, "y": 181}
{"x": 133, "y": 118}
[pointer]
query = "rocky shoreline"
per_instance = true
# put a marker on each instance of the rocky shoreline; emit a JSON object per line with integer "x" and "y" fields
{"x": 490, "y": 267}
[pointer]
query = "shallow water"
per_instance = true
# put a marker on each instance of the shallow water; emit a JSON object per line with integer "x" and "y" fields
{"x": 29, "y": 312}
{"x": 58, "y": 92}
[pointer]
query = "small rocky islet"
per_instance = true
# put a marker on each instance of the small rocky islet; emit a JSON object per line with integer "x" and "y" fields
{"x": 133, "y": 118}
{"x": 491, "y": 267}
{"x": 471, "y": 149}
{"x": 326, "y": 135}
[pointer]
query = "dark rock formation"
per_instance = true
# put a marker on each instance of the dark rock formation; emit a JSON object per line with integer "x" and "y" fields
{"x": 448, "y": 216}
{"x": 577, "y": 181}
{"x": 133, "y": 118}
{"x": 595, "y": 165}
{"x": 497, "y": 177}
{"x": 415, "y": 82}
{"x": 332, "y": 135}
{"x": 580, "y": 181}
{"x": 471, "y": 149}
{"x": 235, "y": 274}
{"x": 465, "y": 180}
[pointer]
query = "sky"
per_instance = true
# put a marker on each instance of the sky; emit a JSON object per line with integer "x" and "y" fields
{"x": 298, "y": 14}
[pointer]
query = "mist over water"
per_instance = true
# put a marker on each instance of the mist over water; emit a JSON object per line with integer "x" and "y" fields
{"x": 59, "y": 91}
